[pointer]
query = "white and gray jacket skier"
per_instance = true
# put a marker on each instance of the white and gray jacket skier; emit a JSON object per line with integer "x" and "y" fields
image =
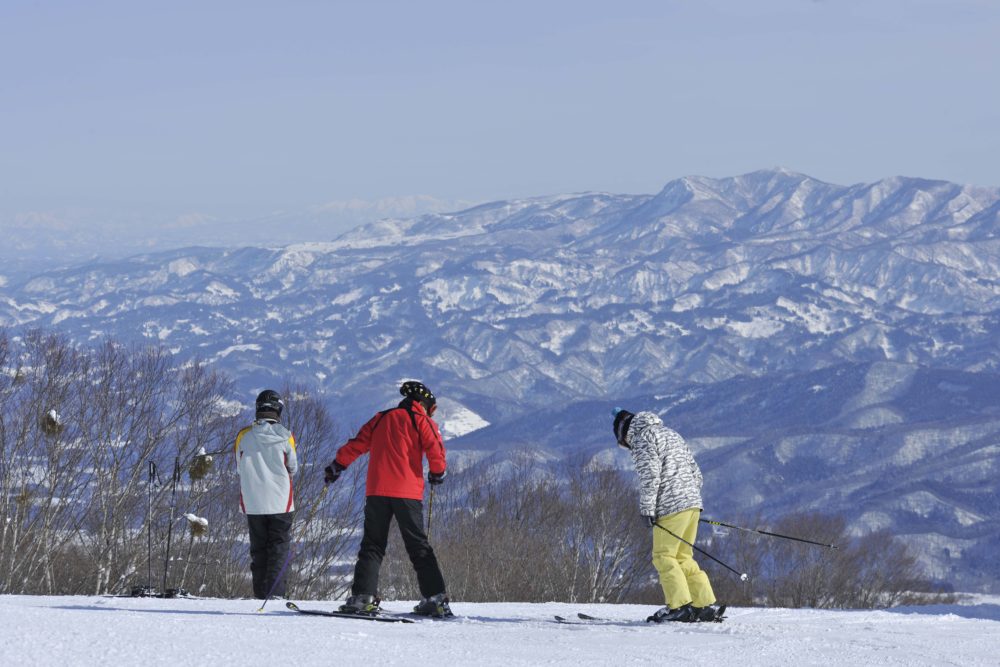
{"x": 266, "y": 461}
{"x": 670, "y": 502}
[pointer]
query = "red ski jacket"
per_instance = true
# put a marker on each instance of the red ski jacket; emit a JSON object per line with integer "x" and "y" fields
{"x": 396, "y": 441}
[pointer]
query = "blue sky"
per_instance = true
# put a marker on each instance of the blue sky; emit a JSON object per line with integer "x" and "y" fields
{"x": 235, "y": 109}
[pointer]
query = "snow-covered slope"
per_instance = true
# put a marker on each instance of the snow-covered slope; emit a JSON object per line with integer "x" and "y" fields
{"x": 823, "y": 332}
{"x": 142, "y": 631}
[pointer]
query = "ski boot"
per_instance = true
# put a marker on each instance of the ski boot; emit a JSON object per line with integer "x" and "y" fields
{"x": 683, "y": 614}
{"x": 435, "y": 605}
{"x": 363, "y": 604}
{"x": 709, "y": 614}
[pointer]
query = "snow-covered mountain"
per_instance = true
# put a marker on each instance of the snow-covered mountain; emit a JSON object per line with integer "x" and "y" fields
{"x": 825, "y": 347}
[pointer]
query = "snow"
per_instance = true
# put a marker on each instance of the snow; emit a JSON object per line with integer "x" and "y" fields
{"x": 249, "y": 347}
{"x": 348, "y": 297}
{"x": 558, "y": 333}
{"x": 181, "y": 267}
{"x": 756, "y": 328}
{"x": 459, "y": 421}
{"x": 216, "y": 288}
{"x": 816, "y": 319}
{"x": 687, "y": 302}
{"x": 79, "y": 630}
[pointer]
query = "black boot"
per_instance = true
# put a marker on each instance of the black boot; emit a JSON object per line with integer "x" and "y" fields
{"x": 367, "y": 605}
{"x": 709, "y": 614}
{"x": 435, "y": 605}
{"x": 684, "y": 614}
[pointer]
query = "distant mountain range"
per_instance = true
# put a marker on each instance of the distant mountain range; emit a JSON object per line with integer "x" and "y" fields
{"x": 75, "y": 236}
{"x": 823, "y": 347}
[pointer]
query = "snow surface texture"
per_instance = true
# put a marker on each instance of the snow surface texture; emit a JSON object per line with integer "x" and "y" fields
{"x": 144, "y": 631}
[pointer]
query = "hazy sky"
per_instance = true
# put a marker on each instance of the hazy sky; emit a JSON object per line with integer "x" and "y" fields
{"x": 239, "y": 108}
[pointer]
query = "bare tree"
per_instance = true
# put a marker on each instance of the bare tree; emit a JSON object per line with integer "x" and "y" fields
{"x": 80, "y": 512}
{"x": 513, "y": 528}
{"x": 326, "y": 518}
{"x": 871, "y": 571}
{"x": 39, "y": 454}
{"x": 609, "y": 548}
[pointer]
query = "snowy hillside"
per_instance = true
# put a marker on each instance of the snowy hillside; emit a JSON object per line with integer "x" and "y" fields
{"x": 824, "y": 346}
{"x": 142, "y": 631}
{"x": 553, "y": 299}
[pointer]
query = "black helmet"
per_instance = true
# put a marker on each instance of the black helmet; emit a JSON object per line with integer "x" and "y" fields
{"x": 418, "y": 392}
{"x": 269, "y": 402}
{"x": 623, "y": 419}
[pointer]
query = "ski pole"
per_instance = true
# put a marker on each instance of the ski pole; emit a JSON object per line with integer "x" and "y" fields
{"x": 149, "y": 526}
{"x": 291, "y": 548}
{"x": 742, "y": 575}
{"x": 430, "y": 508}
{"x": 170, "y": 526}
{"x": 764, "y": 532}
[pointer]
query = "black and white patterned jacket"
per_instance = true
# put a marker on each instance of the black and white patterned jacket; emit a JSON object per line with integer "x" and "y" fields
{"x": 669, "y": 478}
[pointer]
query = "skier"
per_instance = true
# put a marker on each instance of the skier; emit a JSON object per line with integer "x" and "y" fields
{"x": 670, "y": 498}
{"x": 397, "y": 441}
{"x": 266, "y": 461}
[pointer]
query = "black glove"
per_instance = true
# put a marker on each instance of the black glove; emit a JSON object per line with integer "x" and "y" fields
{"x": 332, "y": 472}
{"x": 436, "y": 477}
{"x": 651, "y": 520}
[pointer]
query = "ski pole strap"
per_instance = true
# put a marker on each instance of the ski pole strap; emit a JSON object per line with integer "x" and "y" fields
{"x": 764, "y": 532}
{"x": 742, "y": 575}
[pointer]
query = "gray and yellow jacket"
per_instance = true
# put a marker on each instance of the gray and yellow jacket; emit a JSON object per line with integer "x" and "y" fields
{"x": 669, "y": 478}
{"x": 266, "y": 461}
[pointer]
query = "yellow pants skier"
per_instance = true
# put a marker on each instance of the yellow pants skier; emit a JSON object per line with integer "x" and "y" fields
{"x": 682, "y": 580}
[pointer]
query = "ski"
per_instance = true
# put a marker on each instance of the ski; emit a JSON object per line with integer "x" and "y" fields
{"x": 380, "y": 617}
{"x": 587, "y": 618}
{"x": 429, "y": 617}
{"x": 590, "y": 620}
{"x": 565, "y": 621}
{"x": 147, "y": 592}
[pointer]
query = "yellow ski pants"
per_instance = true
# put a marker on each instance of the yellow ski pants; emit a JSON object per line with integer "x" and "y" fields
{"x": 682, "y": 580}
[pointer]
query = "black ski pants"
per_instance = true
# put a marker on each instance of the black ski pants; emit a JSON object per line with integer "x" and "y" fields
{"x": 379, "y": 511}
{"x": 270, "y": 539}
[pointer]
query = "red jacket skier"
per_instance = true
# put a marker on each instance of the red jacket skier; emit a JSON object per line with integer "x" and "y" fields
{"x": 396, "y": 442}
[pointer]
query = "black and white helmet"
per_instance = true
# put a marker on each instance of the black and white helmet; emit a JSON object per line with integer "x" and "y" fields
{"x": 418, "y": 392}
{"x": 269, "y": 403}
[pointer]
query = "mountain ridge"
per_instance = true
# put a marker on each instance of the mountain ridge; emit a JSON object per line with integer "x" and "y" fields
{"x": 515, "y": 311}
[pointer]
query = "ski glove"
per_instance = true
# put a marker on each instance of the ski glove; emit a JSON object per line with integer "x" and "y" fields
{"x": 332, "y": 472}
{"x": 651, "y": 520}
{"x": 436, "y": 477}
